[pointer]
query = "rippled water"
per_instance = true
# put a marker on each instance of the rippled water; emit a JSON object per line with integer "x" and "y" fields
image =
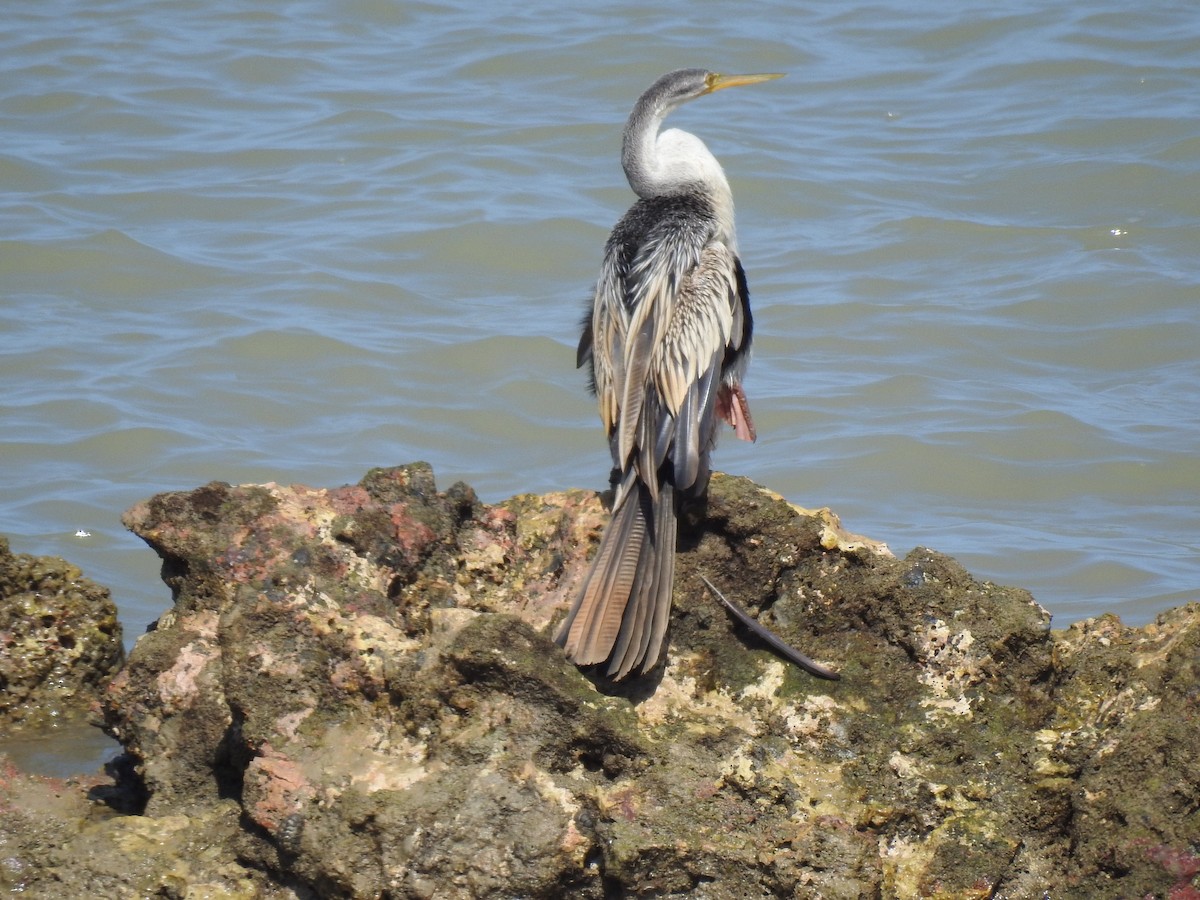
{"x": 296, "y": 242}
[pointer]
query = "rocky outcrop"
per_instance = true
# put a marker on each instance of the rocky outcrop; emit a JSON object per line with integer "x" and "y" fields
{"x": 355, "y": 694}
{"x": 59, "y": 639}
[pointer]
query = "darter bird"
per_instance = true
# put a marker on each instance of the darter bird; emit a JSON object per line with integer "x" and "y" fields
{"x": 668, "y": 339}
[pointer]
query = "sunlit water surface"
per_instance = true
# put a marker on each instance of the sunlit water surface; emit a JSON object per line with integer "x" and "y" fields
{"x": 292, "y": 243}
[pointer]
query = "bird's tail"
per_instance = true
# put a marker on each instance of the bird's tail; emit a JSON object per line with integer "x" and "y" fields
{"x": 624, "y": 604}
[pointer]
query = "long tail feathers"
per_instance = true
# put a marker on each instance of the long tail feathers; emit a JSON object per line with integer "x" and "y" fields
{"x": 624, "y": 604}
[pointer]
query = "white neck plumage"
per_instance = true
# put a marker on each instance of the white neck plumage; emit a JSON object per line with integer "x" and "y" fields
{"x": 673, "y": 162}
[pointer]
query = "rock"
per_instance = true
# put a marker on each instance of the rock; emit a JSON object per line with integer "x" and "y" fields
{"x": 60, "y": 641}
{"x": 355, "y": 694}
{"x": 1118, "y": 758}
{"x": 56, "y": 842}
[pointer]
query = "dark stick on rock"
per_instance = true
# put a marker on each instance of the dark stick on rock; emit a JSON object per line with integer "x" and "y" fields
{"x": 771, "y": 639}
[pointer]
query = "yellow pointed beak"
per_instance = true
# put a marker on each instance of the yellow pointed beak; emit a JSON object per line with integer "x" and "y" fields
{"x": 718, "y": 82}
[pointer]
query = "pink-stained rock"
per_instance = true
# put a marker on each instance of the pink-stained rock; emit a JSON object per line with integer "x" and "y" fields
{"x": 355, "y": 693}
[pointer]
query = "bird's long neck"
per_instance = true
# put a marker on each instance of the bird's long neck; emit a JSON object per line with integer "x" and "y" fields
{"x": 639, "y": 151}
{"x": 673, "y": 162}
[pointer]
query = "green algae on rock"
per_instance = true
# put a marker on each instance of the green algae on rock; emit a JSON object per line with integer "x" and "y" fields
{"x": 366, "y": 675}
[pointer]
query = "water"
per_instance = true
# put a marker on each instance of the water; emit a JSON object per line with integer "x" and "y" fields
{"x": 296, "y": 242}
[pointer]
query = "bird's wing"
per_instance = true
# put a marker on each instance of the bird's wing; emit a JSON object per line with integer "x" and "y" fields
{"x": 686, "y": 320}
{"x": 652, "y": 286}
{"x": 688, "y": 362}
{"x": 606, "y": 339}
{"x": 700, "y": 325}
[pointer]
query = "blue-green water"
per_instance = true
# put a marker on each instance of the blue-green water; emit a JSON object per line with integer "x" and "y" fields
{"x": 294, "y": 242}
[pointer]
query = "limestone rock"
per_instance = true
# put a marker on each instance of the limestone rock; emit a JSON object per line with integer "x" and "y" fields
{"x": 365, "y": 676}
{"x": 56, "y": 842}
{"x": 59, "y": 639}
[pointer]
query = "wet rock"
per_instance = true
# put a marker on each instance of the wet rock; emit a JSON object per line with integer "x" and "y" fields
{"x": 355, "y": 694}
{"x": 58, "y": 840}
{"x": 59, "y": 639}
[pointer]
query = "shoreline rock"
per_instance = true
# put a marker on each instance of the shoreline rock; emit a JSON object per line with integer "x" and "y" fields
{"x": 355, "y": 694}
{"x": 60, "y": 641}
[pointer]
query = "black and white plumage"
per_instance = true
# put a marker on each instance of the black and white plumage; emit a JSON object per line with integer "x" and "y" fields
{"x": 668, "y": 339}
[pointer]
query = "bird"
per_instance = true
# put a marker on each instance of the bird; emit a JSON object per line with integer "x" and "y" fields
{"x": 667, "y": 339}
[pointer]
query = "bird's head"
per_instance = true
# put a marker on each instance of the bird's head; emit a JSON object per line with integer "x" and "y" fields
{"x": 675, "y": 160}
{"x": 682, "y": 85}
